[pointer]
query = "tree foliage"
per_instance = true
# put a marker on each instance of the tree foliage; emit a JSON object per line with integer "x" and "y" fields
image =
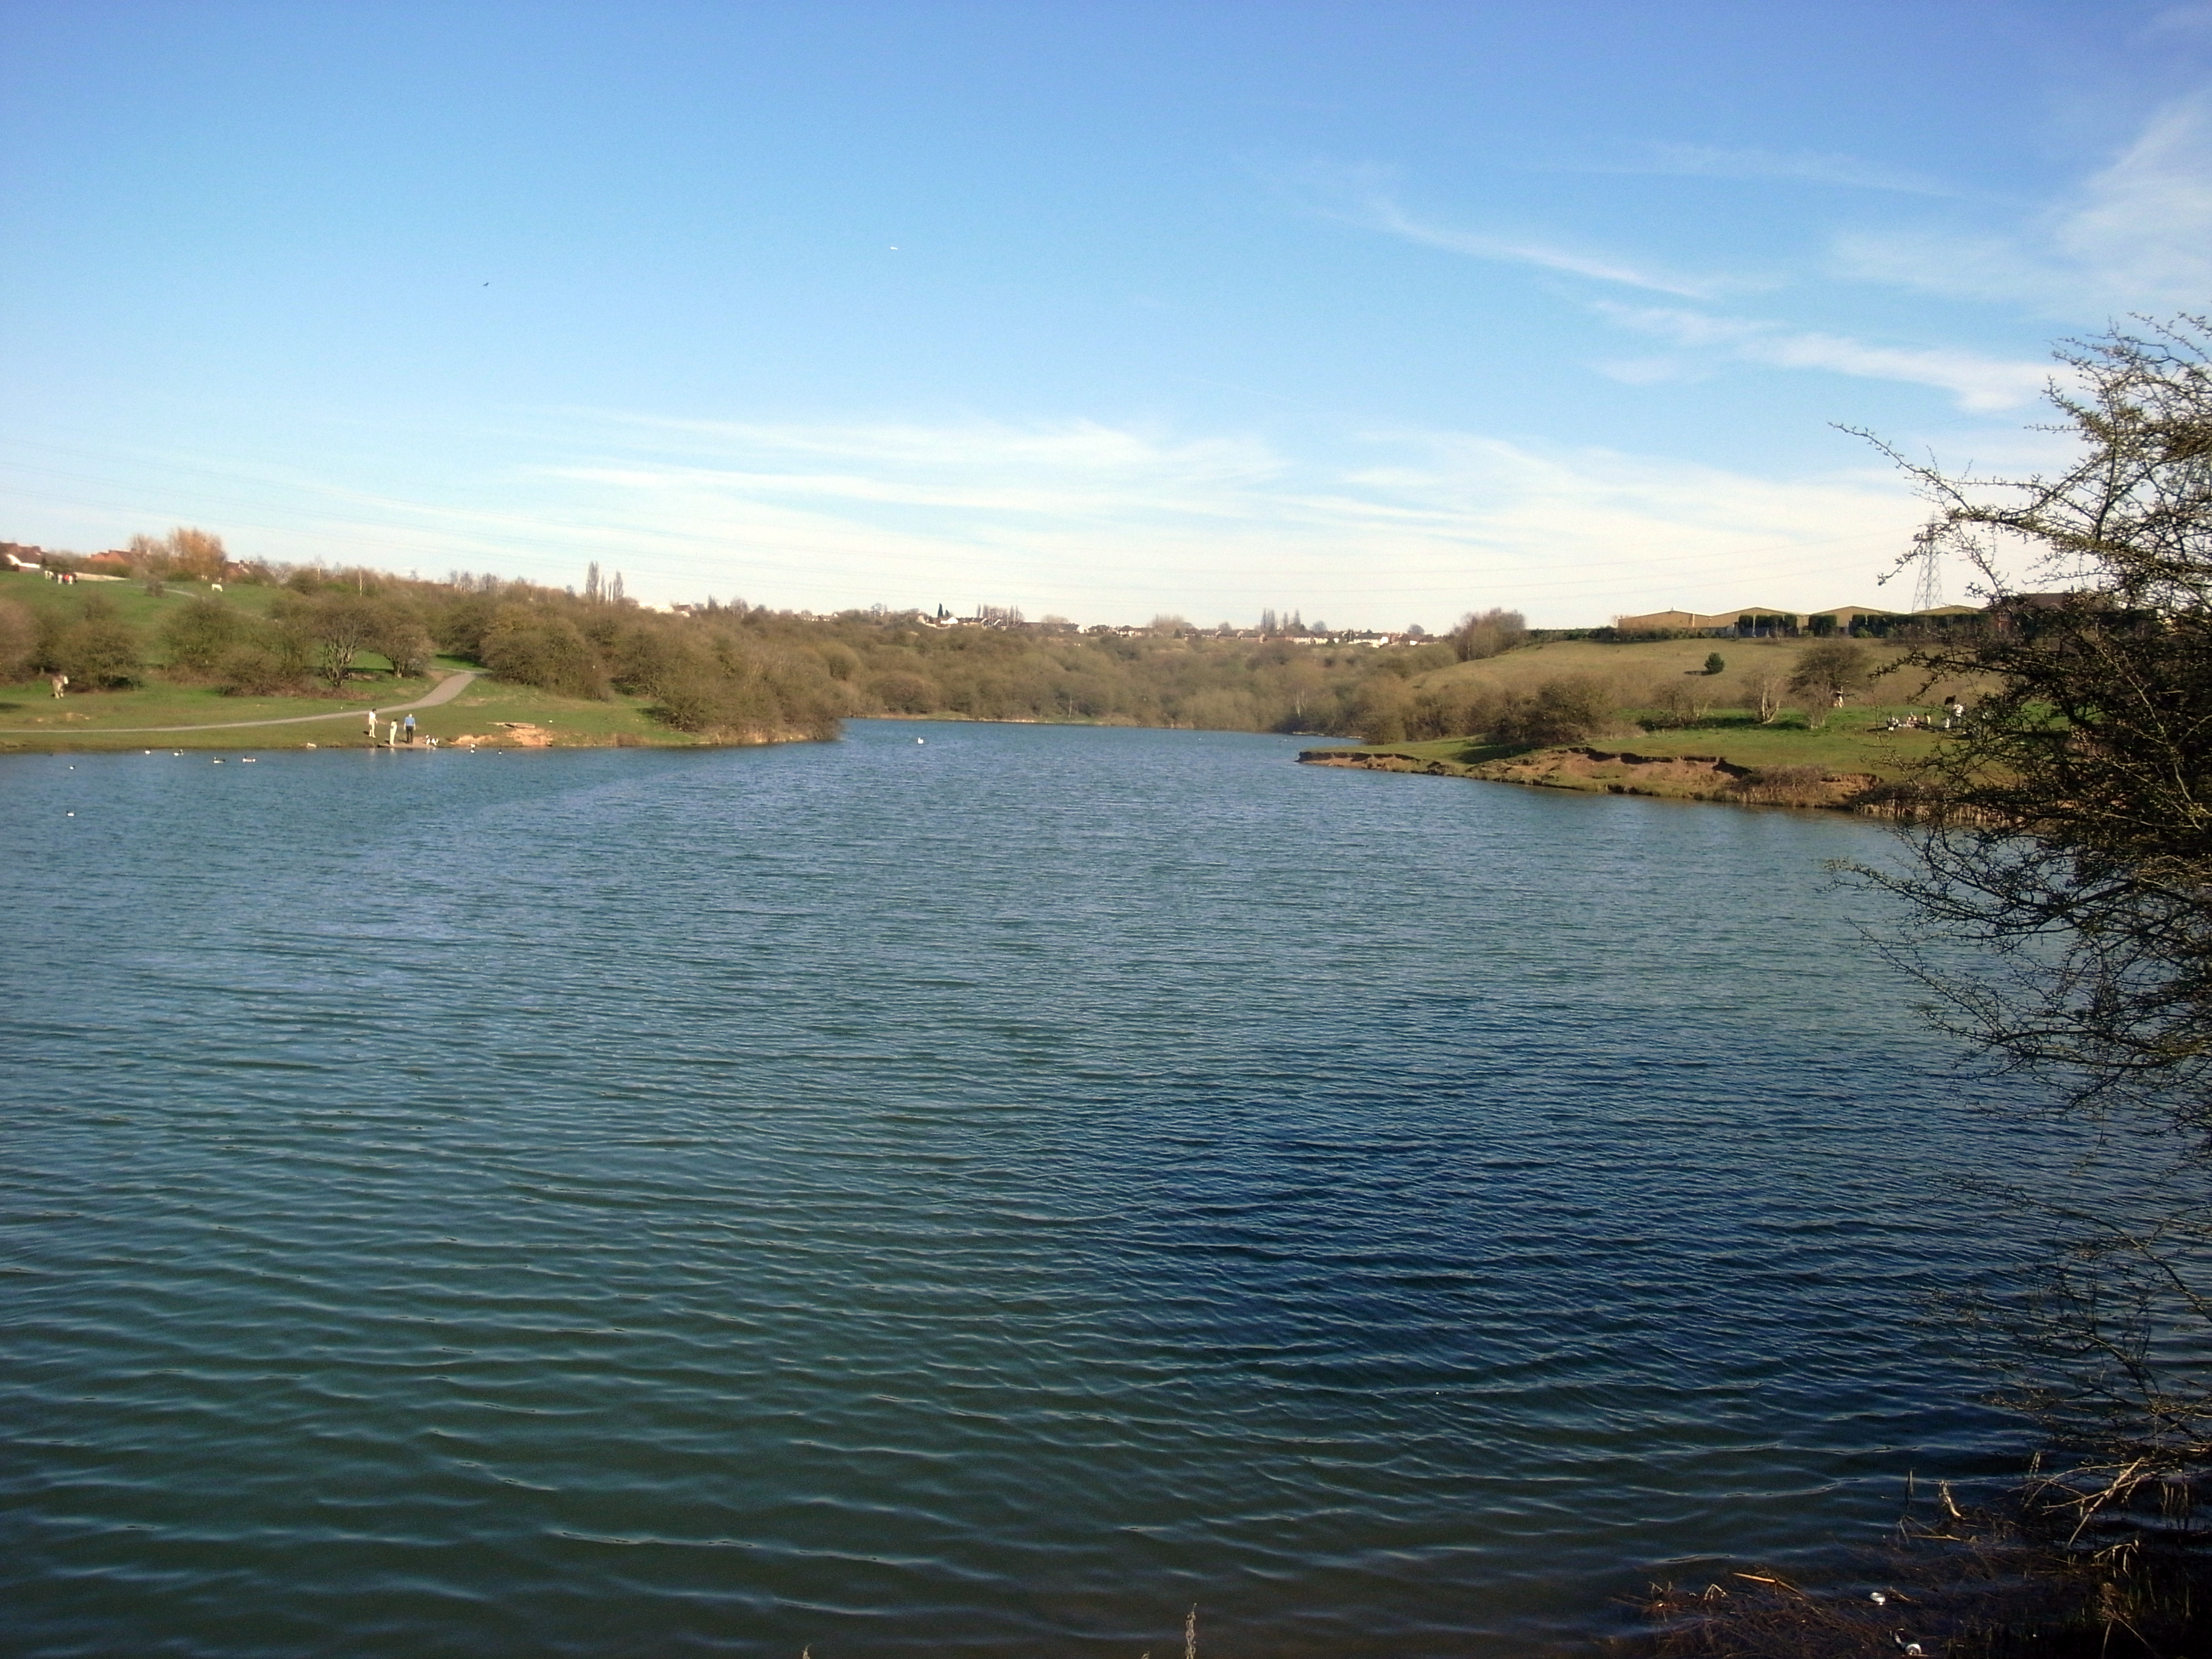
{"x": 1488, "y": 634}
{"x": 184, "y": 552}
{"x": 1831, "y": 669}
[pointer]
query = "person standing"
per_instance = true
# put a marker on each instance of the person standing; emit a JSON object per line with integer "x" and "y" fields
{"x": 371, "y": 725}
{"x": 411, "y": 730}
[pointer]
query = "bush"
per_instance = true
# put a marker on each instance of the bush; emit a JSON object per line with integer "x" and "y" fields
{"x": 100, "y": 650}
{"x": 198, "y": 636}
{"x": 257, "y": 670}
{"x": 460, "y": 624}
{"x": 549, "y": 652}
{"x": 1380, "y": 713}
{"x": 1488, "y": 634}
{"x": 1573, "y": 708}
{"x": 903, "y": 693}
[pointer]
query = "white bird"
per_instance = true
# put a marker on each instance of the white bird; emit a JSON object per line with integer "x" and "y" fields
{"x": 218, "y": 762}
{"x": 921, "y": 739}
{"x": 1878, "y": 1598}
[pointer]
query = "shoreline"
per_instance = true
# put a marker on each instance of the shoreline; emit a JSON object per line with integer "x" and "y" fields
{"x": 1711, "y": 780}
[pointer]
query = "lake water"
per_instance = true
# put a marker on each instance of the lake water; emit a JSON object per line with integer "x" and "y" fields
{"x": 974, "y": 1196}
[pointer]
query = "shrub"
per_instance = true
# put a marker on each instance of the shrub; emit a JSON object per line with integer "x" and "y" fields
{"x": 545, "y": 651}
{"x": 254, "y": 669}
{"x": 200, "y": 633}
{"x": 103, "y": 652}
{"x": 903, "y": 693}
{"x": 1488, "y": 634}
{"x": 1380, "y": 713}
{"x": 1571, "y": 709}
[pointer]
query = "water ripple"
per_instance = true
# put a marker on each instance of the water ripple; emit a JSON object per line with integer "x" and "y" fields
{"x": 980, "y": 1196}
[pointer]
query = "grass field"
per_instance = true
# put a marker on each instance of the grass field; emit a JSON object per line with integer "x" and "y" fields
{"x": 1853, "y": 739}
{"x": 1637, "y": 671}
{"x": 1844, "y": 745}
{"x": 31, "y": 720}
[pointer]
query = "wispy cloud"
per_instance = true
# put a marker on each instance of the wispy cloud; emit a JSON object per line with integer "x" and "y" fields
{"x": 1382, "y": 214}
{"x": 1977, "y": 382}
{"x": 2136, "y": 234}
{"x": 1103, "y": 522}
{"x": 1086, "y": 519}
{"x": 2181, "y": 20}
{"x": 1368, "y": 197}
{"x": 1710, "y": 161}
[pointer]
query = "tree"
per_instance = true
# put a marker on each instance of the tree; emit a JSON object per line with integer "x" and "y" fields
{"x": 339, "y": 626}
{"x": 396, "y": 634}
{"x": 2065, "y": 836}
{"x": 184, "y": 552}
{"x": 19, "y": 641}
{"x": 1488, "y": 634}
{"x": 1763, "y": 687}
{"x": 1716, "y": 663}
{"x": 1831, "y": 670}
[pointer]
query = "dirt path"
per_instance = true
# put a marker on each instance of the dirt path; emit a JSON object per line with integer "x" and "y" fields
{"x": 444, "y": 691}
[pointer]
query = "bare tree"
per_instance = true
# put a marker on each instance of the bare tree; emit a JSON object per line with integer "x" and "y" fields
{"x": 2064, "y": 835}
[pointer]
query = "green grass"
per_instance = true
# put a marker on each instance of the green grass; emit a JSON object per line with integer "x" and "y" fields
{"x": 573, "y": 721}
{"x": 31, "y": 720}
{"x": 133, "y": 604}
{"x": 1845, "y": 744}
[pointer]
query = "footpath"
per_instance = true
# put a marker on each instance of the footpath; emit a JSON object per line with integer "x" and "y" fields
{"x": 444, "y": 691}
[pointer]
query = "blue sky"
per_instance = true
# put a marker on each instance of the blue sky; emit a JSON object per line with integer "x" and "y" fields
{"x": 1381, "y": 312}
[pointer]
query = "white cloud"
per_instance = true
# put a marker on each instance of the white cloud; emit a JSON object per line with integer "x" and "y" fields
{"x": 1976, "y": 381}
{"x": 1365, "y": 197}
{"x": 1709, "y": 161}
{"x": 2136, "y": 235}
{"x": 1107, "y": 523}
{"x": 1100, "y": 522}
{"x": 1382, "y": 214}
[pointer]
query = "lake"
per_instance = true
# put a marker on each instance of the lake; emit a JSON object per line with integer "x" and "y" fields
{"x": 976, "y": 1196}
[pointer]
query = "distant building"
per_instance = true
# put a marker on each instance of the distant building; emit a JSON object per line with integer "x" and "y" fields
{"x": 1753, "y": 620}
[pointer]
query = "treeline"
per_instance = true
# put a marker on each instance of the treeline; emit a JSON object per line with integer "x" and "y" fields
{"x": 734, "y": 670}
{"x": 716, "y": 669}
